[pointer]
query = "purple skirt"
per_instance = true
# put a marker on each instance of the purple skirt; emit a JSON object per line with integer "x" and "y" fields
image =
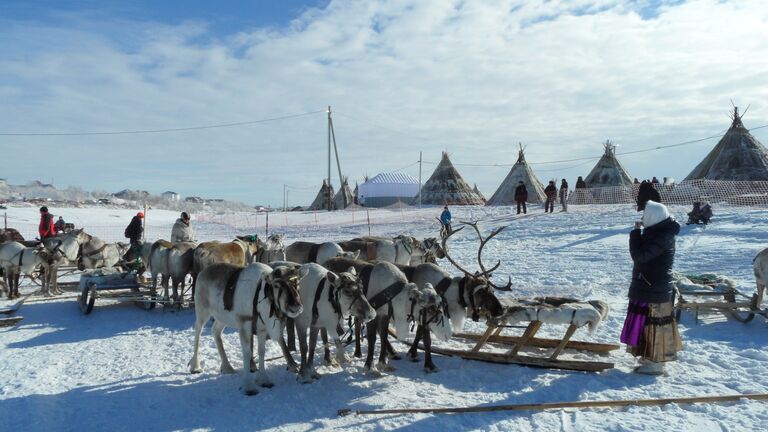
{"x": 634, "y": 325}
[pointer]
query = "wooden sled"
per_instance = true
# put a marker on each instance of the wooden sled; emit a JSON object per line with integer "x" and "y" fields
{"x": 515, "y": 311}
{"x": 719, "y": 295}
{"x": 6, "y": 318}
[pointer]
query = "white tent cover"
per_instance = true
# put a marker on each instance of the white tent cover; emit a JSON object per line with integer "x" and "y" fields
{"x": 393, "y": 184}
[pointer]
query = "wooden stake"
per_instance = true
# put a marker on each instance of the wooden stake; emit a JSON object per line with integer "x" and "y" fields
{"x": 561, "y": 405}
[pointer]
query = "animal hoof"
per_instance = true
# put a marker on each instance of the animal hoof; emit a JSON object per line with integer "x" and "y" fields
{"x": 375, "y": 373}
{"x": 395, "y": 356}
{"x": 413, "y": 357}
{"x": 431, "y": 369}
{"x": 196, "y": 370}
{"x": 385, "y": 367}
{"x": 250, "y": 392}
{"x": 227, "y": 370}
{"x": 267, "y": 384}
{"x": 292, "y": 368}
{"x": 316, "y": 375}
{"x": 332, "y": 363}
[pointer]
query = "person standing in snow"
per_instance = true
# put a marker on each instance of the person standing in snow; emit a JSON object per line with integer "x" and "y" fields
{"x": 521, "y": 196}
{"x": 134, "y": 230}
{"x": 580, "y": 183}
{"x": 182, "y": 231}
{"x": 650, "y": 330}
{"x": 46, "y": 228}
{"x": 445, "y": 219}
{"x": 551, "y": 192}
{"x": 564, "y": 195}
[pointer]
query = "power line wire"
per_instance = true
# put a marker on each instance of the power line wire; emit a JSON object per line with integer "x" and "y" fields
{"x": 146, "y": 131}
{"x": 595, "y": 158}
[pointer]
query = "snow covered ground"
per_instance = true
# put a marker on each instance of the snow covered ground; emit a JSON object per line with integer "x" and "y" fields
{"x": 123, "y": 368}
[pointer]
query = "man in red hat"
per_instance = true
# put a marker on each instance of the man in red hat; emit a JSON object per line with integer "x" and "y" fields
{"x": 134, "y": 229}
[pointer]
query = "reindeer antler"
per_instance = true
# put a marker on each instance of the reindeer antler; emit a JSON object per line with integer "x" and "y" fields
{"x": 483, "y": 242}
{"x": 445, "y": 251}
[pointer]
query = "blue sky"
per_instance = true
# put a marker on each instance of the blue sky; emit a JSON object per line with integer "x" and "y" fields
{"x": 473, "y": 78}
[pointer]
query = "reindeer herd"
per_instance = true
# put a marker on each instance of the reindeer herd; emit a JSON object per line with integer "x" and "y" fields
{"x": 263, "y": 288}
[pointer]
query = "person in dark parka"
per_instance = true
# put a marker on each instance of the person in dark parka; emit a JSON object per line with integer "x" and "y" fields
{"x": 645, "y": 193}
{"x": 580, "y": 183}
{"x": 134, "y": 229}
{"x": 551, "y": 192}
{"x": 521, "y": 196}
{"x": 650, "y": 330}
{"x": 564, "y": 195}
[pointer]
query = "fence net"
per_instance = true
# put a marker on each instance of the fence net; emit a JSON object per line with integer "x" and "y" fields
{"x": 740, "y": 193}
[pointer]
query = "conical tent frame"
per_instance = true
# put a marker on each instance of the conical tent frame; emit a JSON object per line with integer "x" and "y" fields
{"x": 608, "y": 171}
{"x": 738, "y": 156}
{"x": 521, "y": 171}
{"x": 447, "y": 187}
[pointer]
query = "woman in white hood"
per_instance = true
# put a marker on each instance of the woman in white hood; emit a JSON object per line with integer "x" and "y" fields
{"x": 650, "y": 330}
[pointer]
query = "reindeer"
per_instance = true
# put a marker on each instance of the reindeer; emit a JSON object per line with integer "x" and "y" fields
{"x": 15, "y": 259}
{"x": 63, "y": 248}
{"x": 255, "y": 299}
{"x": 396, "y": 299}
{"x": 473, "y": 291}
{"x": 239, "y": 251}
{"x": 95, "y": 253}
{"x": 398, "y": 250}
{"x": 271, "y": 250}
{"x": 333, "y": 297}
{"x": 174, "y": 262}
{"x": 308, "y": 252}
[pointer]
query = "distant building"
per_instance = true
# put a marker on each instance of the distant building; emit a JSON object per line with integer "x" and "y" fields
{"x": 387, "y": 189}
{"x": 194, "y": 199}
{"x": 170, "y": 195}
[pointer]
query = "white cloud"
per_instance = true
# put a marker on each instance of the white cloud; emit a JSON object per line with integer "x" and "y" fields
{"x": 470, "y": 77}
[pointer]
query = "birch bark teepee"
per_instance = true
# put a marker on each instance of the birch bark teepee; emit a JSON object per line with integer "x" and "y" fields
{"x": 737, "y": 156}
{"x": 608, "y": 171}
{"x": 520, "y": 172}
{"x": 447, "y": 187}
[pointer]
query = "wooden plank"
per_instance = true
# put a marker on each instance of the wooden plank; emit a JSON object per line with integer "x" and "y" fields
{"x": 481, "y": 341}
{"x": 540, "y": 362}
{"x": 529, "y": 333}
{"x": 10, "y": 321}
{"x": 15, "y": 307}
{"x": 568, "y": 334}
{"x": 714, "y": 305}
{"x": 544, "y": 343}
{"x": 572, "y": 404}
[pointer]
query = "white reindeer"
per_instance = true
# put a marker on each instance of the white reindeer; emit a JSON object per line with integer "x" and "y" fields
{"x": 251, "y": 299}
{"x": 328, "y": 299}
{"x": 17, "y": 259}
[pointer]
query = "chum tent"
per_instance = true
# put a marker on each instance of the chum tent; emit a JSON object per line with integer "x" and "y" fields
{"x": 737, "y": 156}
{"x": 344, "y": 197}
{"x": 521, "y": 171}
{"x": 608, "y": 171}
{"x": 322, "y": 198}
{"x": 447, "y": 187}
{"x": 386, "y": 189}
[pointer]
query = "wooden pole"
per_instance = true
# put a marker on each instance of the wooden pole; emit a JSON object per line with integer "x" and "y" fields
{"x": 144, "y": 231}
{"x": 419, "y": 179}
{"x": 330, "y": 198}
{"x": 561, "y": 405}
{"x": 368, "y": 215}
{"x": 266, "y": 226}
